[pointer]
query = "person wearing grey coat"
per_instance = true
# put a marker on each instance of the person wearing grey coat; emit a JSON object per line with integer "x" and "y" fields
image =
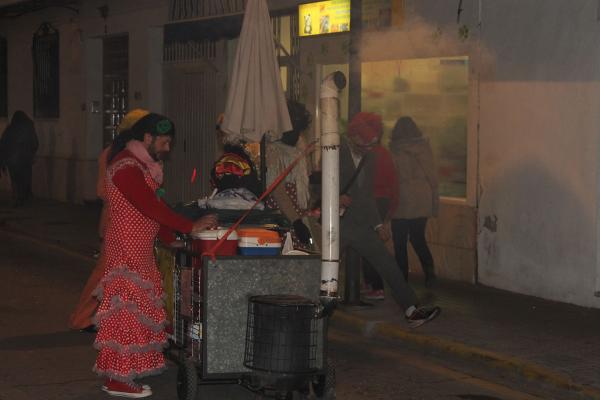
{"x": 361, "y": 227}
{"x": 418, "y": 195}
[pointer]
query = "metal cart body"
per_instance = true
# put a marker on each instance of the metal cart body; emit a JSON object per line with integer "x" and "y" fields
{"x": 211, "y": 310}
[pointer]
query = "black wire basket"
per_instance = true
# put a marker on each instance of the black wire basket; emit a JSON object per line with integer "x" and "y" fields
{"x": 281, "y": 335}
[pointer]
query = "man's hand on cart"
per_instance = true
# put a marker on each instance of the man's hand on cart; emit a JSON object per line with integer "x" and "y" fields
{"x": 345, "y": 200}
{"x": 302, "y": 232}
{"x": 384, "y": 231}
{"x": 206, "y": 222}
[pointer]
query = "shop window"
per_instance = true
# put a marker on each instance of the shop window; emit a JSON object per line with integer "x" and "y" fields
{"x": 45, "y": 51}
{"x": 434, "y": 92}
{"x": 3, "y": 79}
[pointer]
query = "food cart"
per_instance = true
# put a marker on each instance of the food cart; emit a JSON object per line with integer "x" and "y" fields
{"x": 261, "y": 320}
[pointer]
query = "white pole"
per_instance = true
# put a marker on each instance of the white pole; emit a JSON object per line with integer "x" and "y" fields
{"x": 330, "y": 182}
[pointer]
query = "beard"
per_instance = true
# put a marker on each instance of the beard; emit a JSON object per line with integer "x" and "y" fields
{"x": 155, "y": 154}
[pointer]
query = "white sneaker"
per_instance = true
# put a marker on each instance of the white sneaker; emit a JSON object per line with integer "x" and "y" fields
{"x": 422, "y": 315}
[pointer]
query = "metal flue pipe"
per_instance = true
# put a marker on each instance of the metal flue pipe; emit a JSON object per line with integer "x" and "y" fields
{"x": 330, "y": 183}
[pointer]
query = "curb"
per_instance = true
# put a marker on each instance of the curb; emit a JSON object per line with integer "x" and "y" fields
{"x": 527, "y": 369}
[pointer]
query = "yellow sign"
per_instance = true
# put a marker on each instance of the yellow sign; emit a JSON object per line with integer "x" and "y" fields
{"x": 322, "y": 17}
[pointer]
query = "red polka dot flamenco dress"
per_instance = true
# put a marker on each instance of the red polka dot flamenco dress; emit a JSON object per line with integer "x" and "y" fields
{"x": 130, "y": 317}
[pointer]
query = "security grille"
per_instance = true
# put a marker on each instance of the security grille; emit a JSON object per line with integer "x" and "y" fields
{"x": 188, "y": 9}
{"x": 178, "y": 52}
{"x": 45, "y": 51}
{"x": 195, "y": 73}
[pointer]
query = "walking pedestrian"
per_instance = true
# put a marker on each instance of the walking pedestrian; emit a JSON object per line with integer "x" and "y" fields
{"x": 18, "y": 146}
{"x": 361, "y": 225}
{"x": 385, "y": 189}
{"x": 84, "y": 311}
{"x": 418, "y": 195}
{"x": 131, "y": 316}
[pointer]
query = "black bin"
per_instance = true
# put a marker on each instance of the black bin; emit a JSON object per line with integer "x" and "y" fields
{"x": 281, "y": 335}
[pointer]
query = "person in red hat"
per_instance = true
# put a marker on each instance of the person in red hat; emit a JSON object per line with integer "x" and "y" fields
{"x": 369, "y": 127}
{"x": 361, "y": 226}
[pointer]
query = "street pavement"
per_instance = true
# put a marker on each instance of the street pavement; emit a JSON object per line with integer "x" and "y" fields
{"x": 43, "y": 359}
{"x": 554, "y": 344}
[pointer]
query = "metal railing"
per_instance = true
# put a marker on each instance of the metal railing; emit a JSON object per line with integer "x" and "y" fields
{"x": 189, "y": 9}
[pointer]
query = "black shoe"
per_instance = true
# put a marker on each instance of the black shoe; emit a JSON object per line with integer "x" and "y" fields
{"x": 422, "y": 315}
{"x": 89, "y": 329}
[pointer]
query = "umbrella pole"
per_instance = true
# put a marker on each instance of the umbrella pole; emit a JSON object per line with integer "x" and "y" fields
{"x": 330, "y": 184}
{"x": 263, "y": 164}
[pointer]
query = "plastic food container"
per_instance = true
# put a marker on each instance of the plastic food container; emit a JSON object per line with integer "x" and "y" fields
{"x": 205, "y": 240}
{"x": 258, "y": 242}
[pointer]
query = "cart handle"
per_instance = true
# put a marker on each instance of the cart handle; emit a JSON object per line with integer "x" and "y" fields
{"x": 309, "y": 149}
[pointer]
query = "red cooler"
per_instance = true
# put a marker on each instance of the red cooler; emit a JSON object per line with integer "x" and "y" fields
{"x": 205, "y": 240}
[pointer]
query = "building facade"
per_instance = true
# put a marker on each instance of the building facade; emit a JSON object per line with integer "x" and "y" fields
{"x": 510, "y": 106}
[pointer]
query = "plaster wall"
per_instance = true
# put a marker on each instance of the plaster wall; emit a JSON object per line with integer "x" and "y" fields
{"x": 69, "y": 145}
{"x": 55, "y": 171}
{"x": 539, "y": 125}
{"x": 538, "y": 182}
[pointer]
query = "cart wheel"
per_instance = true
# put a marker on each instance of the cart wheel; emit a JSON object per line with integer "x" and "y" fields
{"x": 187, "y": 381}
{"x": 324, "y": 389}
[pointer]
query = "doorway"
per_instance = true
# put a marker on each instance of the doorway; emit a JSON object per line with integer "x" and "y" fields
{"x": 194, "y": 96}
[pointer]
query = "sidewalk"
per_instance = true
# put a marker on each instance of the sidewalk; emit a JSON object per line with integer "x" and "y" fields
{"x": 71, "y": 227}
{"x": 554, "y": 343}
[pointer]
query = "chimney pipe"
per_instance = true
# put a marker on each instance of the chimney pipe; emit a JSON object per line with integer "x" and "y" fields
{"x": 330, "y": 183}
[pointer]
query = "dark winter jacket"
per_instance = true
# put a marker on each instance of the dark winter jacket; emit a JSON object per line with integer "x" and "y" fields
{"x": 19, "y": 142}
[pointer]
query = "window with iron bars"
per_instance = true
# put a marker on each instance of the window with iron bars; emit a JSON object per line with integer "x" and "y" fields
{"x": 3, "y": 79}
{"x": 45, "y": 51}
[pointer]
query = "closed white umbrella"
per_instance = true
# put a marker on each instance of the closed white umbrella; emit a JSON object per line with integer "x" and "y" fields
{"x": 256, "y": 102}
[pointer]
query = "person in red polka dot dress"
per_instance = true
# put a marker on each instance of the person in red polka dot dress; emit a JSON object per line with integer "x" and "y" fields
{"x": 131, "y": 317}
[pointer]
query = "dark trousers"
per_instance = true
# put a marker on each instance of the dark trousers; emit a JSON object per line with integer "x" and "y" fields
{"x": 365, "y": 242}
{"x": 20, "y": 180}
{"x": 413, "y": 230}
{"x": 371, "y": 276}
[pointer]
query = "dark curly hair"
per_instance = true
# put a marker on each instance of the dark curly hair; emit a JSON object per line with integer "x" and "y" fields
{"x": 301, "y": 120}
{"x": 154, "y": 124}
